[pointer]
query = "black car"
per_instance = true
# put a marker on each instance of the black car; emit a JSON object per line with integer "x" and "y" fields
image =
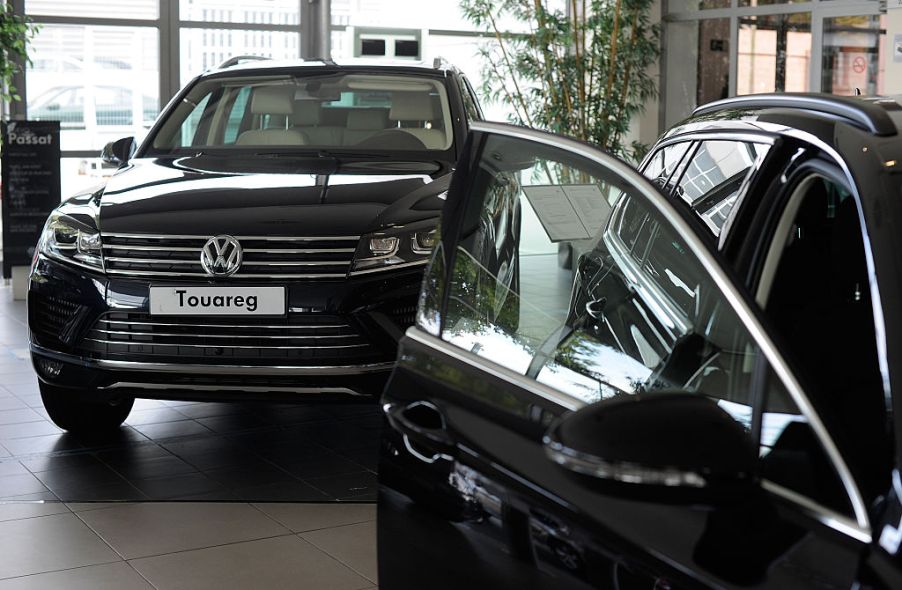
{"x": 705, "y": 400}
{"x": 266, "y": 240}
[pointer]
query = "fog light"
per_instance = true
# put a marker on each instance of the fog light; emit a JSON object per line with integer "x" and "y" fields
{"x": 50, "y": 368}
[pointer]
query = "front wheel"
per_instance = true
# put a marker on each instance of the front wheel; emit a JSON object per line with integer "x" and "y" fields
{"x": 79, "y": 416}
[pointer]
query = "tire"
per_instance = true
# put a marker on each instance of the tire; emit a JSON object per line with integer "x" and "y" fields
{"x": 79, "y": 416}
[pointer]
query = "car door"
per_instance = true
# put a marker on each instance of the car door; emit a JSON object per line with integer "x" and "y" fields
{"x": 625, "y": 424}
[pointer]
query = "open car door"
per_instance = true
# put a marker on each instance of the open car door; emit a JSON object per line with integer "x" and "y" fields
{"x": 624, "y": 423}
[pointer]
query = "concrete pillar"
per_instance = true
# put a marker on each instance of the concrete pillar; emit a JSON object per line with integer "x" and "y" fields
{"x": 892, "y": 75}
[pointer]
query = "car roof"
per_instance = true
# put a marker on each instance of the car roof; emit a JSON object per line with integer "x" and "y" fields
{"x": 880, "y": 117}
{"x": 253, "y": 64}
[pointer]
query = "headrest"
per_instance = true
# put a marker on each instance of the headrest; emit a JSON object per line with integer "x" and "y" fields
{"x": 411, "y": 106}
{"x": 272, "y": 100}
{"x": 307, "y": 113}
{"x": 367, "y": 119}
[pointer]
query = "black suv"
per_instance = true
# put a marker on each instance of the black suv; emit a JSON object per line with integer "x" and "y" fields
{"x": 266, "y": 240}
{"x": 706, "y": 399}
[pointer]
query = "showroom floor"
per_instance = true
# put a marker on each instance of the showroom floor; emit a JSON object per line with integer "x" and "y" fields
{"x": 68, "y": 515}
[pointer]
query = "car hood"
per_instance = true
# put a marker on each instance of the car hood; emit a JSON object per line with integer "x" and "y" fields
{"x": 278, "y": 196}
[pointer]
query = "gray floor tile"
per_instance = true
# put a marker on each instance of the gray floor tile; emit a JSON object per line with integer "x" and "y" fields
{"x": 85, "y": 506}
{"x": 282, "y": 562}
{"x": 310, "y": 517}
{"x": 22, "y": 413}
{"x": 27, "y": 429}
{"x": 12, "y": 467}
{"x": 165, "y": 430}
{"x": 20, "y": 510}
{"x": 354, "y": 545}
{"x": 41, "y": 444}
{"x": 20, "y": 484}
{"x": 48, "y": 543}
{"x": 177, "y": 486}
{"x": 170, "y": 527}
{"x": 154, "y": 415}
{"x": 110, "y": 576}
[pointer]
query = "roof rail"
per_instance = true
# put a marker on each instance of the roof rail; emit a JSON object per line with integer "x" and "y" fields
{"x": 863, "y": 114}
{"x": 234, "y": 61}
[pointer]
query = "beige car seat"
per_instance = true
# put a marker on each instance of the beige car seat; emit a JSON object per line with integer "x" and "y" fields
{"x": 278, "y": 101}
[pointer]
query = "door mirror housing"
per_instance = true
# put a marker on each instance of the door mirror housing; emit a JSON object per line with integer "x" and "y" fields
{"x": 119, "y": 152}
{"x": 657, "y": 440}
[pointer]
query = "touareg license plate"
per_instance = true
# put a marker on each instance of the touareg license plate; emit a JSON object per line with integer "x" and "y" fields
{"x": 226, "y": 301}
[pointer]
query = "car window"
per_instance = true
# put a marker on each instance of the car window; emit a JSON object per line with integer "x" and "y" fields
{"x": 237, "y": 114}
{"x": 816, "y": 288}
{"x": 661, "y": 166}
{"x": 469, "y": 100}
{"x": 375, "y": 112}
{"x": 791, "y": 455}
{"x": 637, "y": 313}
{"x": 715, "y": 177}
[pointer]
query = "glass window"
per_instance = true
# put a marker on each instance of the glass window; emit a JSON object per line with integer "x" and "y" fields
{"x": 138, "y": 9}
{"x": 715, "y": 177}
{"x": 101, "y": 83}
{"x": 698, "y": 65}
{"x": 815, "y": 286}
{"x": 662, "y": 164}
{"x": 621, "y": 322}
{"x": 632, "y": 316}
{"x": 372, "y": 47}
{"x": 469, "y": 100}
{"x": 407, "y": 48}
{"x": 791, "y": 454}
{"x": 774, "y": 53}
{"x": 271, "y": 12}
{"x": 853, "y": 55}
{"x": 205, "y": 49}
{"x": 379, "y": 111}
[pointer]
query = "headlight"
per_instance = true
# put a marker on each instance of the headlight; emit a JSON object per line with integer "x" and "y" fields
{"x": 408, "y": 246}
{"x": 66, "y": 239}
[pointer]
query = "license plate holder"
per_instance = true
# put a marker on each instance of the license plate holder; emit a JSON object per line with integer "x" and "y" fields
{"x": 225, "y": 301}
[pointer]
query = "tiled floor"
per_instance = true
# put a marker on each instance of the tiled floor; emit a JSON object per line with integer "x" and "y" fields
{"x": 176, "y": 545}
{"x": 185, "y": 451}
{"x": 180, "y": 450}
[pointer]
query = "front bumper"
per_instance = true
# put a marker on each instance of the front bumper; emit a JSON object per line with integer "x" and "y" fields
{"x": 339, "y": 338}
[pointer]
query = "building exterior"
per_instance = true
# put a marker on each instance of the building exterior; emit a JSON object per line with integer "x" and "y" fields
{"x": 105, "y": 74}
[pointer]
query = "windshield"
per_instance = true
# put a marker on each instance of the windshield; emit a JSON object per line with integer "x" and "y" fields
{"x": 373, "y": 111}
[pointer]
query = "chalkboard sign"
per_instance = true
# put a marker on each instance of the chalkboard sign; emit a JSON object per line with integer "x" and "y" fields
{"x": 30, "y": 173}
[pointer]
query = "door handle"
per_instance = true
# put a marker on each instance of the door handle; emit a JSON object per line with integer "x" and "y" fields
{"x": 596, "y": 307}
{"x": 424, "y": 424}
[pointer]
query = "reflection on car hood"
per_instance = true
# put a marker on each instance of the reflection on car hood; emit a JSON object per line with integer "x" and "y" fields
{"x": 278, "y": 196}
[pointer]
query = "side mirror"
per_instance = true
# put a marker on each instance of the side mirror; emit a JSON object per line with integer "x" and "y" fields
{"x": 119, "y": 152}
{"x": 659, "y": 441}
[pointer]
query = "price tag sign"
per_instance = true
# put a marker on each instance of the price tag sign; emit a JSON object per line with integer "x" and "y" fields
{"x": 30, "y": 173}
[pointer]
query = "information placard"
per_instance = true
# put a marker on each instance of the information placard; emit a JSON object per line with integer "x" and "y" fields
{"x": 30, "y": 173}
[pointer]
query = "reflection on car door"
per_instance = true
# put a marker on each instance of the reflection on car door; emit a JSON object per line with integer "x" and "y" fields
{"x": 468, "y": 493}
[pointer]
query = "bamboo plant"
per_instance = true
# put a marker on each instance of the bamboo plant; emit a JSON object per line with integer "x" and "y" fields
{"x": 582, "y": 69}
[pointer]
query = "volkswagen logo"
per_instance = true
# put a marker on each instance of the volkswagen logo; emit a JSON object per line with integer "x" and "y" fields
{"x": 221, "y": 256}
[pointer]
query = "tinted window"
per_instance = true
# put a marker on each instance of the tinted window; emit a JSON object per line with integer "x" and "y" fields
{"x": 661, "y": 166}
{"x": 816, "y": 287}
{"x": 715, "y": 177}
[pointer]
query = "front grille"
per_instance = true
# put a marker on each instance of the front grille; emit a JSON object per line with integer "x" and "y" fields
{"x": 301, "y": 339}
{"x": 52, "y": 318}
{"x": 324, "y": 257}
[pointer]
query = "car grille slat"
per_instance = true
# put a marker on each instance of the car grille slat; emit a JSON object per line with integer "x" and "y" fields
{"x": 303, "y": 339}
{"x": 264, "y": 257}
